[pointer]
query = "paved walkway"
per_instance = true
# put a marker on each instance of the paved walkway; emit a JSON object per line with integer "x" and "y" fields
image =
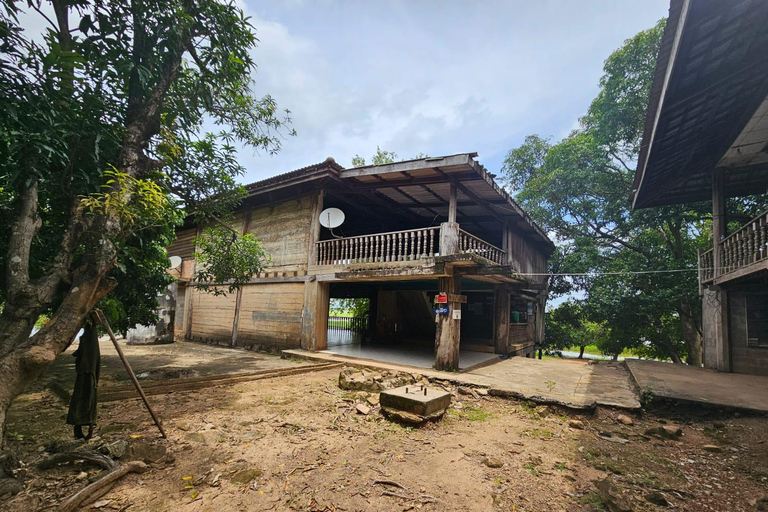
{"x": 700, "y": 385}
{"x": 574, "y": 384}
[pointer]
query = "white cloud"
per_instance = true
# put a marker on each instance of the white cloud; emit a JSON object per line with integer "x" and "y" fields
{"x": 432, "y": 77}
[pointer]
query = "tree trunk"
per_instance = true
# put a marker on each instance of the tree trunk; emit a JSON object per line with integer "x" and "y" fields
{"x": 581, "y": 352}
{"x": 29, "y": 356}
{"x": 674, "y": 356}
{"x": 691, "y": 334}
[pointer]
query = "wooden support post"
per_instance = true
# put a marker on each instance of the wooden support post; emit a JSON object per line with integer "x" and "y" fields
{"x": 501, "y": 319}
{"x": 100, "y": 318}
{"x": 718, "y": 218}
{"x": 452, "y": 204}
{"x": 449, "y": 238}
{"x": 314, "y": 316}
{"x": 719, "y": 226}
{"x": 314, "y": 228}
{"x": 448, "y": 329}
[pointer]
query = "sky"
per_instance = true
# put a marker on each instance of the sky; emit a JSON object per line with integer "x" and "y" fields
{"x": 427, "y": 77}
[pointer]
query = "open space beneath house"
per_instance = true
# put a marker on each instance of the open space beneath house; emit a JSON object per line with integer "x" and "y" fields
{"x": 414, "y": 355}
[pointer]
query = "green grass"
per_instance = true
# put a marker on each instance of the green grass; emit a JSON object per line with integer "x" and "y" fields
{"x": 593, "y": 499}
{"x": 471, "y": 414}
{"x": 594, "y": 351}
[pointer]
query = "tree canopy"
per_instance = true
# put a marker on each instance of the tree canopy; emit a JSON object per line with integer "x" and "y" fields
{"x": 115, "y": 124}
{"x": 635, "y": 269}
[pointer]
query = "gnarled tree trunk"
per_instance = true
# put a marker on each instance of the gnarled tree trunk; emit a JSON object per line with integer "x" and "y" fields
{"x": 691, "y": 334}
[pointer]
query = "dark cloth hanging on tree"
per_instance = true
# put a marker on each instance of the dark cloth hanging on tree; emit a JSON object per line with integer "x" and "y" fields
{"x": 82, "y": 407}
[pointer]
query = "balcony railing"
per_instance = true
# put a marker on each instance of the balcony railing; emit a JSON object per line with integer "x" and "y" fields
{"x": 409, "y": 245}
{"x": 745, "y": 247}
{"x": 413, "y": 244}
{"x": 470, "y": 244}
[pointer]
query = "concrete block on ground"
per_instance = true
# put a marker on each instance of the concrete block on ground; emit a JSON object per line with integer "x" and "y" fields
{"x": 415, "y": 403}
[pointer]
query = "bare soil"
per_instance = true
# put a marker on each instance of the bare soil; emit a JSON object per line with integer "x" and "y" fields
{"x": 298, "y": 443}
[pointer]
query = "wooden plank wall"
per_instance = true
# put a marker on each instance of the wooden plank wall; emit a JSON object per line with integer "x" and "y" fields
{"x": 526, "y": 257}
{"x": 270, "y": 316}
{"x": 212, "y": 317}
{"x": 184, "y": 245}
{"x": 284, "y": 230}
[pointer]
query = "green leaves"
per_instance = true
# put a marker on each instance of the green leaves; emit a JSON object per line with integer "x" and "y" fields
{"x": 227, "y": 260}
{"x": 578, "y": 189}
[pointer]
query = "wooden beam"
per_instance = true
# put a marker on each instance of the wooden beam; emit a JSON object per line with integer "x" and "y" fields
{"x": 452, "y": 206}
{"x": 501, "y": 319}
{"x": 412, "y": 165}
{"x": 414, "y": 182}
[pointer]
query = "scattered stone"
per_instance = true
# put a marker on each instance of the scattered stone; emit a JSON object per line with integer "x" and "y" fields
{"x": 373, "y": 401}
{"x": 577, "y": 424}
{"x": 657, "y": 499}
{"x": 117, "y": 449}
{"x": 607, "y": 436}
{"x": 469, "y": 392}
{"x": 482, "y": 391}
{"x": 665, "y": 432}
{"x": 493, "y": 462}
{"x": 612, "y": 496}
{"x": 353, "y": 379}
{"x": 101, "y": 503}
{"x": 542, "y": 411}
{"x": 363, "y": 409}
{"x": 150, "y": 453}
{"x": 625, "y": 420}
{"x": 247, "y": 475}
{"x": 204, "y": 436}
{"x": 10, "y": 486}
{"x": 712, "y": 448}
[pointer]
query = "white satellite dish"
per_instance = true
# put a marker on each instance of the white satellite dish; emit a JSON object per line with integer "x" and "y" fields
{"x": 331, "y": 218}
{"x": 175, "y": 261}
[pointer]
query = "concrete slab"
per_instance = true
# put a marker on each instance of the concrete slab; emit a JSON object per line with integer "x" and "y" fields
{"x": 569, "y": 383}
{"x": 417, "y": 357}
{"x": 416, "y": 399}
{"x": 700, "y": 385}
{"x": 566, "y": 382}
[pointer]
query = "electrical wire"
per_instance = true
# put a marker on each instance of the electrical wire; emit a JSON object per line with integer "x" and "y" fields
{"x": 626, "y": 273}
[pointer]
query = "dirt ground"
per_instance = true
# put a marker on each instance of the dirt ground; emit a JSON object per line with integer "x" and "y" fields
{"x": 298, "y": 443}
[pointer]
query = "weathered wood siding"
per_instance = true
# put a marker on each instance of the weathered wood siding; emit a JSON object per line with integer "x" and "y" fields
{"x": 184, "y": 245}
{"x": 284, "y": 229}
{"x": 212, "y": 316}
{"x": 270, "y": 316}
{"x": 178, "y": 325}
{"x": 525, "y": 257}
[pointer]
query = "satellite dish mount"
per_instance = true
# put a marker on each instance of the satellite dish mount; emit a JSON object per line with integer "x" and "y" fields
{"x": 331, "y": 218}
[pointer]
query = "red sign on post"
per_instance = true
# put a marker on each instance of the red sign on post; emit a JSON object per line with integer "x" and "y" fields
{"x": 441, "y": 298}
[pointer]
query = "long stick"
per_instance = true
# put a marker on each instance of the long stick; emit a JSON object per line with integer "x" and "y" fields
{"x": 103, "y": 321}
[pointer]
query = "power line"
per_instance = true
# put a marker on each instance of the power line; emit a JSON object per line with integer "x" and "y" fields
{"x": 625, "y": 273}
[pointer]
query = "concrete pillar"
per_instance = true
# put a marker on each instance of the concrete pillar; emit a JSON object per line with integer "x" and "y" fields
{"x": 314, "y": 316}
{"x": 448, "y": 330}
{"x": 501, "y": 319}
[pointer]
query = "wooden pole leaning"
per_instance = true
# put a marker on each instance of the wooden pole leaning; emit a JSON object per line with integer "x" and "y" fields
{"x": 100, "y": 318}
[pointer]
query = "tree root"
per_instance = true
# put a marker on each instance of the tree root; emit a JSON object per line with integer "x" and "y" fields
{"x": 99, "y": 487}
{"x": 61, "y": 458}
